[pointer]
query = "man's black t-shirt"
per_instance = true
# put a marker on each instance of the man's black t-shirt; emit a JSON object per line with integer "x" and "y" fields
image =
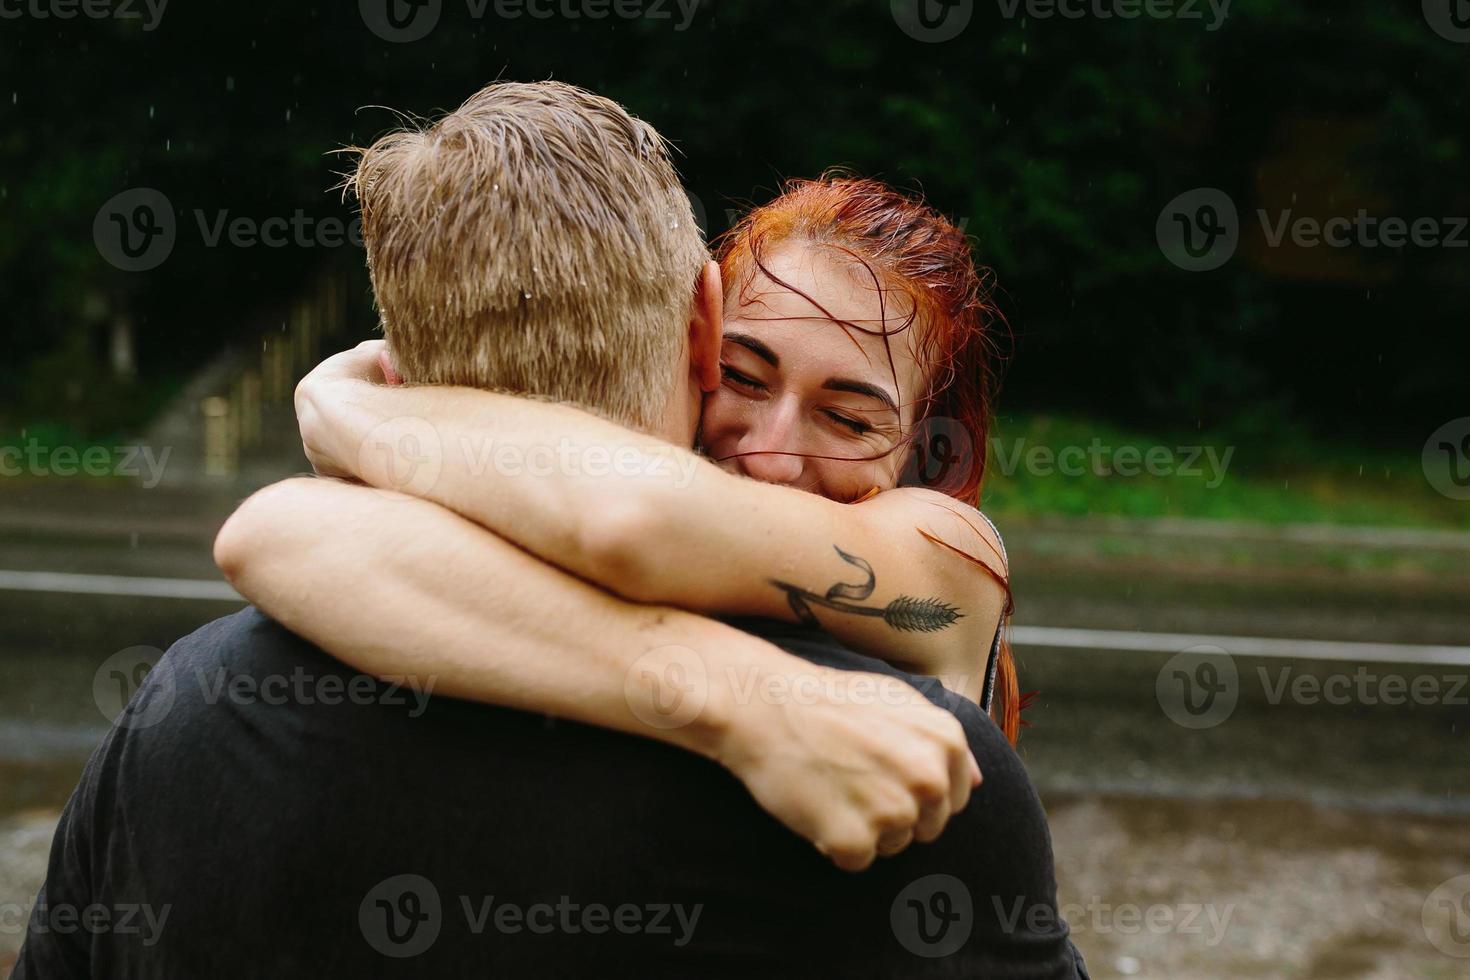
{"x": 262, "y": 810}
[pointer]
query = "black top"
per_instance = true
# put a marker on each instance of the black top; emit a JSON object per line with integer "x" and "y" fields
{"x": 261, "y": 810}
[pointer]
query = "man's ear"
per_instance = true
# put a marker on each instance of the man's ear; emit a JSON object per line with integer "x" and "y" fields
{"x": 707, "y": 327}
{"x": 385, "y": 361}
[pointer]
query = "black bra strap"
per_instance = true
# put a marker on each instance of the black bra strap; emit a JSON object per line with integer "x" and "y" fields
{"x": 987, "y": 694}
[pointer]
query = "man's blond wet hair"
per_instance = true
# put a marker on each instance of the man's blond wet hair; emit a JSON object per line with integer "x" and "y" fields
{"x": 534, "y": 240}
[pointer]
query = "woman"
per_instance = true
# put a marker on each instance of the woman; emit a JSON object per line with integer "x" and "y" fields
{"x": 856, "y": 324}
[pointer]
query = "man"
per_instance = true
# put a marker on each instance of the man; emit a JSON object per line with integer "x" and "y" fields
{"x": 260, "y": 810}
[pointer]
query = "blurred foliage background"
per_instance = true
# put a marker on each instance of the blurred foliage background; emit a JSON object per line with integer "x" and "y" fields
{"x": 1056, "y": 142}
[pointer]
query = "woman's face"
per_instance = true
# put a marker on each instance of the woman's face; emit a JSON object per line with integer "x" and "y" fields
{"x": 796, "y": 386}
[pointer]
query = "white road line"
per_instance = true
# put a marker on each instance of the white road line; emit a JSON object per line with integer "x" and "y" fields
{"x": 1033, "y": 636}
{"x": 1242, "y": 646}
{"x": 117, "y": 585}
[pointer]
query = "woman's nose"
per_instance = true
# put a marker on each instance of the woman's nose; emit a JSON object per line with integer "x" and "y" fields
{"x": 768, "y": 451}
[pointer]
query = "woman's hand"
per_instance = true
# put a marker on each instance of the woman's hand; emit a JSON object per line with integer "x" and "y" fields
{"x": 860, "y": 764}
{"x": 322, "y": 400}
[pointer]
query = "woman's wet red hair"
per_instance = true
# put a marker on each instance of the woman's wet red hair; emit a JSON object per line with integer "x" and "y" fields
{"x": 910, "y": 250}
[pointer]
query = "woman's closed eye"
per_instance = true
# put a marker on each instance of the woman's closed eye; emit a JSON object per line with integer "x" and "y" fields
{"x": 740, "y": 380}
{"x": 858, "y": 426}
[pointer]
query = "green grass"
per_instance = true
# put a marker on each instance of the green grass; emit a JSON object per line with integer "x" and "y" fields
{"x": 1271, "y": 479}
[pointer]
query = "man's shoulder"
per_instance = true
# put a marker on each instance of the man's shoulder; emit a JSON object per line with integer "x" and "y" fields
{"x": 245, "y": 644}
{"x": 239, "y": 638}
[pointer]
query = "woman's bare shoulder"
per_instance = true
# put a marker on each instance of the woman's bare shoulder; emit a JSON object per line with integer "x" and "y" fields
{"x": 952, "y": 522}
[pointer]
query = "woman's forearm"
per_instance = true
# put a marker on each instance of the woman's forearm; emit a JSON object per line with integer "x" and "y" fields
{"x": 561, "y": 483}
{"x": 393, "y": 585}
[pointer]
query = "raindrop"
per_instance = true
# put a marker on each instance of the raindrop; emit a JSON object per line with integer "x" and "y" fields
{"x": 229, "y": 83}
{"x": 288, "y": 115}
{"x": 151, "y": 112}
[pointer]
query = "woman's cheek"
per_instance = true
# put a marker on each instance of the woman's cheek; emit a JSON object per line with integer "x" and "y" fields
{"x": 860, "y": 477}
{"x": 717, "y": 425}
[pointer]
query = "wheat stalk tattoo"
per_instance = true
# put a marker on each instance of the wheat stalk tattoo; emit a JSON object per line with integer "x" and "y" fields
{"x": 906, "y": 613}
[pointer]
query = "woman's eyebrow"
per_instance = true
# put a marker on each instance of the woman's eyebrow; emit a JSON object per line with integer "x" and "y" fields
{"x": 861, "y": 388}
{"x": 755, "y": 347}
